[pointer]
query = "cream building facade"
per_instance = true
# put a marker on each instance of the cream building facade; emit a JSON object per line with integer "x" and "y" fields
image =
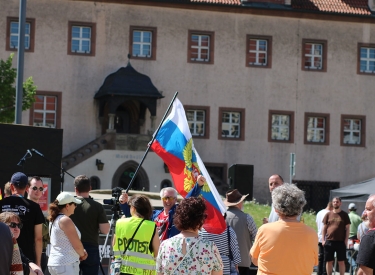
{"x": 270, "y": 78}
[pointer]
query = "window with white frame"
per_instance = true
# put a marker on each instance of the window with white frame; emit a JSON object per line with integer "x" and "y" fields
{"x": 316, "y": 129}
{"x": 81, "y": 39}
{"x": 352, "y": 131}
{"x": 201, "y": 47}
{"x": 196, "y": 120}
{"x": 13, "y": 41}
{"x": 231, "y": 124}
{"x": 313, "y": 56}
{"x": 258, "y": 52}
{"x": 367, "y": 60}
{"x": 142, "y": 43}
{"x": 280, "y": 127}
{"x": 44, "y": 111}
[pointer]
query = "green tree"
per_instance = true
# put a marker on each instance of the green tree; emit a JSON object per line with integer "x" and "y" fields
{"x": 8, "y": 91}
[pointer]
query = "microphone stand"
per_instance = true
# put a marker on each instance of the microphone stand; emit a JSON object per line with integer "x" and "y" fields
{"x": 62, "y": 170}
{"x": 22, "y": 162}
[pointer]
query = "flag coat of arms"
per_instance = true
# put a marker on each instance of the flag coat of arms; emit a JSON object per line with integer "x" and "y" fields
{"x": 174, "y": 144}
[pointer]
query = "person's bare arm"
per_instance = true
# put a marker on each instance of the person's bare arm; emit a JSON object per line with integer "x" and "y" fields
{"x": 347, "y": 228}
{"x": 104, "y": 228}
{"x": 219, "y": 272}
{"x": 155, "y": 244}
{"x": 36, "y": 269}
{"x": 364, "y": 270}
{"x": 324, "y": 232}
{"x": 67, "y": 225}
{"x": 38, "y": 240}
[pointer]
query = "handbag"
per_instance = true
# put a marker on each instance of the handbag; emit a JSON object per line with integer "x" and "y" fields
{"x": 232, "y": 267}
{"x": 115, "y": 267}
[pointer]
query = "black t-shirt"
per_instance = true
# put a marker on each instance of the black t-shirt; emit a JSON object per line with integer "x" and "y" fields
{"x": 31, "y": 215}
{"x": 87, "y": 217}
{"x": 366, "y": 254}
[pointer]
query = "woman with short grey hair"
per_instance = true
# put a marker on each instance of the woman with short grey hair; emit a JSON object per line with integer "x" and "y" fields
{"x": 289, "y": 200}
{"x": 286, "y": 246}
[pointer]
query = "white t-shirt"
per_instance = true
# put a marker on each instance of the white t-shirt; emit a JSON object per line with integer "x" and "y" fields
{"x": 319, "y": 222}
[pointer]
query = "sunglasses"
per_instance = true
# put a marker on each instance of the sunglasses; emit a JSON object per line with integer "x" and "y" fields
{"x": 167, "y": 198}
{"x": 36, "y": 188}
{"x": 14, "y": 225}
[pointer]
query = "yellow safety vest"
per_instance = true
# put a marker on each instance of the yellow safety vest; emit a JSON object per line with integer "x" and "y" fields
{"x": 138, "y": 259}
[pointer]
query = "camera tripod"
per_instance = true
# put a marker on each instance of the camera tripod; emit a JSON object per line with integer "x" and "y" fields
{"x": 112, "y": 225}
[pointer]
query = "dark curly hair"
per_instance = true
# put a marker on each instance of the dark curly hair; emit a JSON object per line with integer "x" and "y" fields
{"x": 190, "y": 214}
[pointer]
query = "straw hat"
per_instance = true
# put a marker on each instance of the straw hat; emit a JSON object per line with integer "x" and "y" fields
{"x": 234, "y": 197}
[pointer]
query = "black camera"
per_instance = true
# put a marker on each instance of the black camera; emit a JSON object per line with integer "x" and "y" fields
{"x": 116, "y": 193}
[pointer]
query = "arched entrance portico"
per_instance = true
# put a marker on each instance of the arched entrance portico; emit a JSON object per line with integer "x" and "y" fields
{"x": 124, "y": 98}
{"x": 125, "y": 173}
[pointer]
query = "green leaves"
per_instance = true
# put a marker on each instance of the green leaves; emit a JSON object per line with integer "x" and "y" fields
{"x": 8, "y": 77}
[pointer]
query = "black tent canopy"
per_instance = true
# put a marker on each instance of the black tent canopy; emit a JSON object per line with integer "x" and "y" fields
{"x": 357, "y": 193}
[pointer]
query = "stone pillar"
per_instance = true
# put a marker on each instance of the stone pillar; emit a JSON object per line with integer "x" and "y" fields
{"x": 152, "y": 130}
{"x": 111, "y": 123}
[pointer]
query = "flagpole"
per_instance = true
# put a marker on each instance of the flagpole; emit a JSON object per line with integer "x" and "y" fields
{"x": 150, "y": 143}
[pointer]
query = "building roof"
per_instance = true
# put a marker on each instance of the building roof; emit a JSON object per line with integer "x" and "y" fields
{"x": 128, "y": 82}
{"x": 349, "y": 7}
{"x": 354, "y": 7}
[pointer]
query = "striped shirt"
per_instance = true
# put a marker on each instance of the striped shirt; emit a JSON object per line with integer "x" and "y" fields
{"x": 251, "y": 226}
{"x": 221, "y": 241}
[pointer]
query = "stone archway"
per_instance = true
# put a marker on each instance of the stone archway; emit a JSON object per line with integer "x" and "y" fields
{"x": 124, "y": 174}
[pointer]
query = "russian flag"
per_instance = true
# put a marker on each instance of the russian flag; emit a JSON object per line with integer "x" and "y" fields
{"x": 174, "y": 144}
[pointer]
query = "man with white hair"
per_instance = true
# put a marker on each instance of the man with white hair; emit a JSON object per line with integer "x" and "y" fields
{"x": 366, "y": 254}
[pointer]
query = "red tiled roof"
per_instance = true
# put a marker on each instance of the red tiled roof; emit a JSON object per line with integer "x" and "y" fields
{"x": 353, "y": 7}
{"x": 358, "y": 7}
{"x": 224, "y": 2}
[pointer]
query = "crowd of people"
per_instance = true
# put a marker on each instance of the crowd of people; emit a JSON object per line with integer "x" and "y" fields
{"x": 173, "y": 240}
{"x": 72, "y": 229}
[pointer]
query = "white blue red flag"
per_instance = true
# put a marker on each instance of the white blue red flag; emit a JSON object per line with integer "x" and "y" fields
{"x": 174, "y": 144}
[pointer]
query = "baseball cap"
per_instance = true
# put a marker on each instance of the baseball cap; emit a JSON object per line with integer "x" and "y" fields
{"x": 352, "y": 206}
{"x": 65, "y": 198}
{"x": 19, "y": 180}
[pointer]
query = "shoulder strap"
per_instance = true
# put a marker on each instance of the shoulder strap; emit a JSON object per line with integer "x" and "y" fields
{"x": 131, "y": 239}
{"x": 230, "y": 250}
